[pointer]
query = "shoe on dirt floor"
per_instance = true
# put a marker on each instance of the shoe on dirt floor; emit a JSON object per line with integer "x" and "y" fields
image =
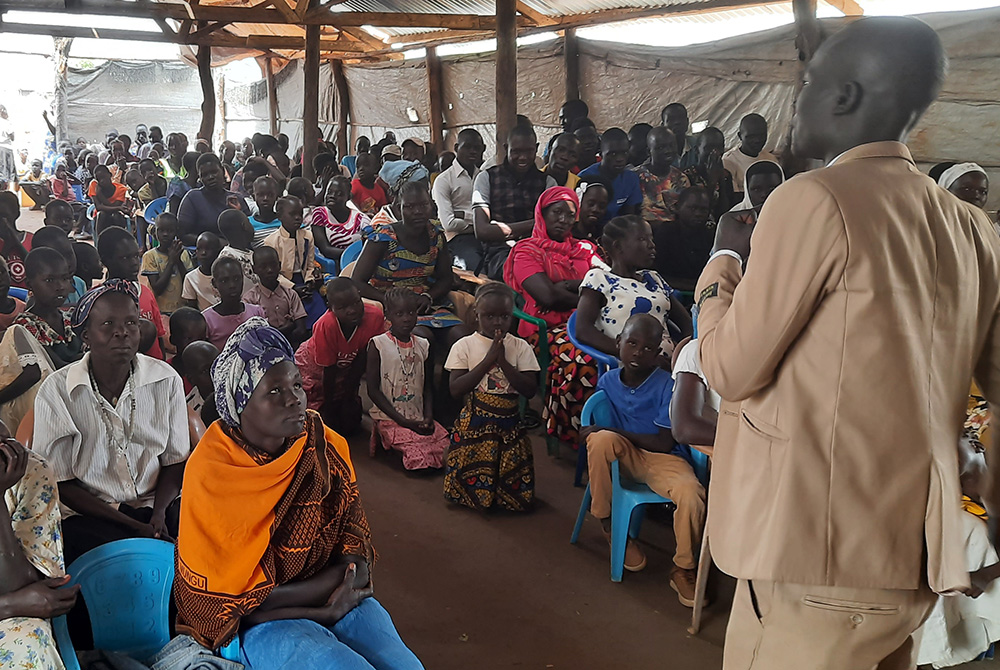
{"x": 683, "y": 582}
{"x": 635, "y": 558}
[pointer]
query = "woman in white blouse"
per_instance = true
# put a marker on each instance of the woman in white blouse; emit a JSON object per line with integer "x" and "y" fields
{"x": 114, "y": 428}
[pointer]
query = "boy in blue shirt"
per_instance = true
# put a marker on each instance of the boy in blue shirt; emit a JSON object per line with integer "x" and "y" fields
{"x": 624, "y": 187}
{"x": 639, "y": 392}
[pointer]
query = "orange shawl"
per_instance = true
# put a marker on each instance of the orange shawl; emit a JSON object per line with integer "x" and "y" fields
{"x": 247, "y": 527}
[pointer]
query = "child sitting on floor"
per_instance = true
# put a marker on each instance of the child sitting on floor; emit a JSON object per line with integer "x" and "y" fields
{"x": 198, "y": 358}
{"x": 166, "y": 265}
{"x": 640, "y": 392}
{"x": 235, "y": 227}
{"x": 265, "y": 194}
{"x": 120, "y": 254}
{"x": 198, "y": 290}
{"x": 46, "y": 321}
{"x": 332, "y": 361}
{"x": 279, "y": 301}
{"x": 187, "y": 325}
{"x": 56, "y": 238}
{"x": 336, "y": 226}
{"x": 961, "y": 627}
{"x": 489, "y": 462}
{"x": 226, "y": 316}
{"x": 10, "y": 306}
{"x": 400, "y": 383}
{"x": 295, "y": 247}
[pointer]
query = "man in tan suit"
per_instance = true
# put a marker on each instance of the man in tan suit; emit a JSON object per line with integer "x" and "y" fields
{"x": 845, "y": 354}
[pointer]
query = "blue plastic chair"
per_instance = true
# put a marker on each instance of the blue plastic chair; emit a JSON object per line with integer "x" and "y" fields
{"x": 351, "y": 253}
{"x": 19, "y": 293}
{"x": 627, "y": 497}
{"x": 127, "y": 586}
{"x": 154, "y": 209}
{"x": 603, "y": 360}
{"x": 78, "y": 192}
{"x": 329, "y": 265}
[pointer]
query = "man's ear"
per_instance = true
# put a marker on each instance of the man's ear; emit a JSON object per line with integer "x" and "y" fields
{"x": 849, "y": 98}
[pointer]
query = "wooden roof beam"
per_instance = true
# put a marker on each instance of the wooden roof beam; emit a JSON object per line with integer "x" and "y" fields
{"x": 282, "y": 14}
{"x": 217, "y": 39}
{"x": 535, "y": 17}
{"x": 848, "y": 7}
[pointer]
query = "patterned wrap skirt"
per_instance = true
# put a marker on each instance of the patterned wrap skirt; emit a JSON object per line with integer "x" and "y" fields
{"x": 572, "y": 379}
{"x": 489, "y": 462}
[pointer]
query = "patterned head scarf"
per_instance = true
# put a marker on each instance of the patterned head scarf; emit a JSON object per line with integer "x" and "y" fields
{"x": 252, "y": 350}
{"x": 397, "y": 173}
{"x": 78, "y": 321}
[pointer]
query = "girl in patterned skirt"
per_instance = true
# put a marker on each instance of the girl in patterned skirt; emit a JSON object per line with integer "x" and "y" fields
{"x": 400, "y": 374}
{"x": 489, "y": 462}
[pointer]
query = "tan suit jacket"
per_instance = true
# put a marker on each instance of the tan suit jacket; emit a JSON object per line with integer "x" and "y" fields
{"x": 845, "y": 355}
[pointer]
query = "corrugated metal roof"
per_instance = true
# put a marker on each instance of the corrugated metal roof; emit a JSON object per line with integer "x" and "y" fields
{"x": 554, "y": 8}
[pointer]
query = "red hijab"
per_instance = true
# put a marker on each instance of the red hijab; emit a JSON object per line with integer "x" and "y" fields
{"x": 561, "y": 261}
{"x": 568, "y": 260}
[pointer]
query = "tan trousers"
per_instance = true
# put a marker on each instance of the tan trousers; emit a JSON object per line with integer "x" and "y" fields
{"x": 668, "y": 475}
{"x": 776, "y": 626}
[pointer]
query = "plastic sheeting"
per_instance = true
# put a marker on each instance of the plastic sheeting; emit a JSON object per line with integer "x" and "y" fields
{"x": 123, "y": 94}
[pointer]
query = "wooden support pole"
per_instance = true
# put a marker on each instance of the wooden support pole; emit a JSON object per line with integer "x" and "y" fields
{"x": 310, "y": 106}
{"x": 571, "y": 52}
{"x": 207, "y": 93}
{"x": 506, "y": 83}
{"x": 272, "y": 98}
{"x": 808, "y": 36}
{"x": 436, "y": 98}
{"x": 343, "y": 107}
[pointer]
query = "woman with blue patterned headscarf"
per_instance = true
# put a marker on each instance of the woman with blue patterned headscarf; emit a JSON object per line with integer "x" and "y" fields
{"x": 274, "y": 544}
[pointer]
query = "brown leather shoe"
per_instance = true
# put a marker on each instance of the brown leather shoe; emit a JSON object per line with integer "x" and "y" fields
{"x": 683, "y": 582}
{"x": 635, "y": 558}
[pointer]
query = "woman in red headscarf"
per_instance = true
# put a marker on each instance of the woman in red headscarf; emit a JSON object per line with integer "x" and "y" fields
{"x": 547, "y": 269}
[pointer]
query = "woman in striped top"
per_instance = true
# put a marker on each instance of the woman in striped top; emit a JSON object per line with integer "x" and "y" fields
{"x": 336, "y": 225}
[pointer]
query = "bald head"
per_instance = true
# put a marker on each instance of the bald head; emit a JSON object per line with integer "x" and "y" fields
{"x": 643, "y": 324}
{"x": 870, "y": 82}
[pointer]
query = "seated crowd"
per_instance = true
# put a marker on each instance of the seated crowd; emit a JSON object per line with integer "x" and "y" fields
{"x": 225, "y": 349}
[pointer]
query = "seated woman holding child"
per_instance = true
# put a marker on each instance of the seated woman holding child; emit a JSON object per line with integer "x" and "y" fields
{"x": 118, "y": 463}
{"x": 547, "y": 269}
{"x": 275, "y": 546}
{"x": 32, "y": 572}
{"x": 404, "y": 248}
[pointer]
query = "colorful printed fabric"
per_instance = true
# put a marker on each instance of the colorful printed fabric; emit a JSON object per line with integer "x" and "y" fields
{"x": 251, "y": 521}
{"x": 82, "y": 311}
{"x": 659, "y": 194}
{"x": 252, "y": 350}
{"x": 403, "y": 268}
{"x": 419, "y": 451}
{"x": 572, "y": 379}
{"x": 490, "y": 462}
{"x": 26, "y": 643}
{"x": 977, "y": 418}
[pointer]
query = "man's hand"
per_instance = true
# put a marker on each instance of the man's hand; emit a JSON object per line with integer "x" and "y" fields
{"x": 45, "y": 599}
{"x": 734, "y": 234}
{"x": 13, "y": 463}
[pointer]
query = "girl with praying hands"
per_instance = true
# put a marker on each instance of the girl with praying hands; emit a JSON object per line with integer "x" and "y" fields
{"x": 275, "y": 547}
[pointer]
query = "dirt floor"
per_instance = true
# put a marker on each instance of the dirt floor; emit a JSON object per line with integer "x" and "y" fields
{"x": 508, "y": 591}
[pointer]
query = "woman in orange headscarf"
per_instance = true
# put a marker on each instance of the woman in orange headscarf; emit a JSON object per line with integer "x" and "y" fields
{"x": 273, "y": 544}
{"x": 547, "y": 269}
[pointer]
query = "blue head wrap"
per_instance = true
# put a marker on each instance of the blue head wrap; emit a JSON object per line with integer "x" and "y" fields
{"x": 397, "y": 173}
{"x": 78, "y": 320}
{"x": 252, "y": 350}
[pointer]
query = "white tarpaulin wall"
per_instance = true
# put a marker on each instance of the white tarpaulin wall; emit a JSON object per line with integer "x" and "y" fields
{"x": 626, "y": 84}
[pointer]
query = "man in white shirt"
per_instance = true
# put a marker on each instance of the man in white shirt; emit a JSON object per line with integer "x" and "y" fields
{"x": 114, "y": 428}
{"x": 753, "y": 137}
{"x": 452, "y": 194}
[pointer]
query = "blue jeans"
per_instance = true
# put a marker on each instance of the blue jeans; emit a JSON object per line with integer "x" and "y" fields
{"x": 365, "y": 639}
